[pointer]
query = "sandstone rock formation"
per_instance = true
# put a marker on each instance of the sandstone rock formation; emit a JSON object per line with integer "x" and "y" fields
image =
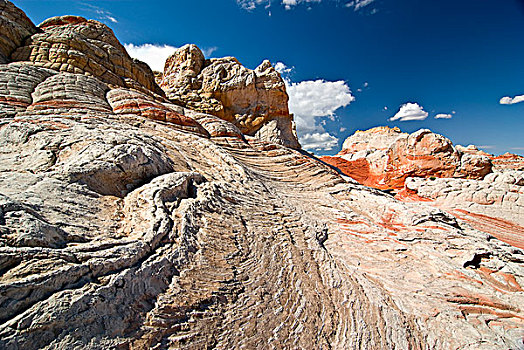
{"x": 384, "y": 157}
{"x": 127, "y": 222}
{"x": 504, "y": 162}
{"x": 76, "y": 45}
{"x": 253, "y": 100}
{"x": 15, "y": 28}
{"x": 508, "y": 161}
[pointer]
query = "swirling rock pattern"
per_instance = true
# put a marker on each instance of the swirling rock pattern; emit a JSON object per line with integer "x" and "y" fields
{"x": 122, "y": 226}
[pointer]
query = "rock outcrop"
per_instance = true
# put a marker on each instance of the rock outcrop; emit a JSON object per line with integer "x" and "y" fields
{"x": 384, "y": 157}
{"x": 508, "y": 161}
{"x": 15, "y": 28}
{"x": 127, "y": 222}
{"x": 75, "y": 45}
{"x": 253, "y": 100}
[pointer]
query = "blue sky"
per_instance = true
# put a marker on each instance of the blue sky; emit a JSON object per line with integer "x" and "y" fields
{"x": 347, "y": 61}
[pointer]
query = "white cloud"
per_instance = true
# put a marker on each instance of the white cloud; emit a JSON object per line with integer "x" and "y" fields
{"x": 112, "y": 19}
{"x": 511, "y": 100}
{"x": 154, "y": 55}
{"x": 318, "y": 141}
{"x": 209, "y": 51}
{"x": 312, "y": 100}
{"x": 359, "y": 4}
{"x": 102, "y": 14}
{"x": 252, "y": 4}
{"x": 410, "y": 111}
{"x": 289, "y": 4}
{"x": 283, "y": 69}
{"x": 318, "y": 98}
{"x": 443, "y": 116}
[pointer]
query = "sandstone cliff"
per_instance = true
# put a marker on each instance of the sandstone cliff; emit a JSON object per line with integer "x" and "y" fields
{"x": 130, "y": 222}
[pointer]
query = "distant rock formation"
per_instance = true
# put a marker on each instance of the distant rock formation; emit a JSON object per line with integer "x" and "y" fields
{"x": 384, "y": 157}
{"x": 128, "y": 221}
{"x": 508, "y": 161}
{"x": 253, "y": 100}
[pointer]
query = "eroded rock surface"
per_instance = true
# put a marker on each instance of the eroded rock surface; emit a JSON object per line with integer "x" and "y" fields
{"x": 384, "y": 157}
{"x": 15, "y": 28}
{"x": 253, "y": 100}
{"x": 127, "y": 222}
{"x": 75, "y": 45}
{"x": 494, "y": 205}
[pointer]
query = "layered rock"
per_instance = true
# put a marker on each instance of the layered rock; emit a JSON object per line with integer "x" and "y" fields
{"x": 383, "y": 158}
{"x": 17, "y": 83}
{"x": 508, "y": 161}
{"x": 494, "y": 205}
{"x": 125, "y": 225}
{"x": 253, "y": 100}
{"x": 15, "y": 28}
{"x": 124, "y": 101}
{"x": 75, "y": 45}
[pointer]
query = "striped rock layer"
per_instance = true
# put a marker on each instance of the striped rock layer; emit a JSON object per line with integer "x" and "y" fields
{"x": 128, "y": 222}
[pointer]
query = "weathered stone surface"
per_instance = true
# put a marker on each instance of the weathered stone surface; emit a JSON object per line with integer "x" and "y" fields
{"x": 506, "y": 161}
{"x": 423, "y": 154}
{"x": 125, "y": 101}
{"x": 75, "y": 45}
{"x": 216, "y": 127}
{"x": 155, "y": 254}
{"x": 384, "y": 157}
{"x": 473, "y": 166}
{"x": 67, "y": 93}
{"x": 14, "y": 28}
{"x": 471, "y": 149}
{"x": 494, "y": 205}
{"x": 254, "y": 100}
{"x": 17, "y": 82}
{"x": 122, "y": 231}
{"x": 379, "y": 138}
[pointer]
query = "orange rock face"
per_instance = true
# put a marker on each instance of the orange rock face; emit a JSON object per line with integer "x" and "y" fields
{"x": 384, "y": 157}
{"x": 359, "y": 170}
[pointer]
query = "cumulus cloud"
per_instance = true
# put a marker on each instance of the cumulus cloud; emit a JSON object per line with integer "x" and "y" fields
{"x": 312, "y": 100}
{"x": 443, "y": 116}
{"x": 154, "y": 55}
{"x": 506, "y": 100}
{"x": 318, "y": 98}
{"x": 410, "y": 111}
{"x": 318, "y": 141}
